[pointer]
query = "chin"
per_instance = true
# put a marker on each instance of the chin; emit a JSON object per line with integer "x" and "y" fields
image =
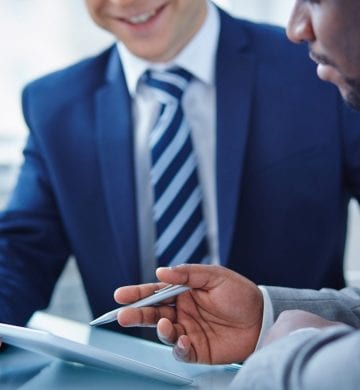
{"x": 352, "y": 96}
{"x": 351, "y": 93}
{"x": 353, "y": 100}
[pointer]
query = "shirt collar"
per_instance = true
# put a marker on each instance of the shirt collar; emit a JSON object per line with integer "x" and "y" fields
{"x": 203, "y": 47}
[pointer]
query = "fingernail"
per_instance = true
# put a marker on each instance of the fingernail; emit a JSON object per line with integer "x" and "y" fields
{"x": 163, "y": 339}
{"x": 180, "y": 344}
{"x": 180, "y": 266}
{"x": 179, "y": 352}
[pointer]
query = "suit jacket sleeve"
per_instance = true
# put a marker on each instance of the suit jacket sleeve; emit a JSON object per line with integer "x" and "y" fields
{"x": 312, "y": 359}
{"x": 343, "y": 305}
{"x": 33, "y": 245}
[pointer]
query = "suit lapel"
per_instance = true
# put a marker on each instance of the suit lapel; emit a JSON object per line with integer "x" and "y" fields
{"x": 115, "y": 146}
{"x": 234, "y": 81}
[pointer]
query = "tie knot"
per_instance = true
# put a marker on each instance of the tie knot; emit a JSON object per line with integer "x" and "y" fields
{"x": 172, "y": 81}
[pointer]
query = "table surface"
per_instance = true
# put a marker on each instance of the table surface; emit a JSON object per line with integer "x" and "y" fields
{"x": 20, "y": 369}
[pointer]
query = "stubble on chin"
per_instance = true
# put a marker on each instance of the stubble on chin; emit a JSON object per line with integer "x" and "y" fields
{"x": 353, "y": 96}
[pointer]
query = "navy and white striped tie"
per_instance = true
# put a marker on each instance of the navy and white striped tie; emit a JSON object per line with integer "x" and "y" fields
{"x": 178, "y": 215}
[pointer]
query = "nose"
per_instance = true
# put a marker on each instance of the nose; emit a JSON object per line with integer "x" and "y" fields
{"x": 299, "y": 28}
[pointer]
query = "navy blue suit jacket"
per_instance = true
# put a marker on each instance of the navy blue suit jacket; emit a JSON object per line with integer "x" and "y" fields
{"x": 288, "y": 161}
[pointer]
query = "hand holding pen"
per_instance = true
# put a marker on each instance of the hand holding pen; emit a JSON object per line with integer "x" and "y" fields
{"x": 217, "y": 321}
{"x": 158, "y": 296}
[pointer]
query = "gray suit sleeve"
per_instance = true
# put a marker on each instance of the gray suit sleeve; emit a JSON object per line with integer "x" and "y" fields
{"x": 343, "y": 305}
{"x": 312, "y": 359}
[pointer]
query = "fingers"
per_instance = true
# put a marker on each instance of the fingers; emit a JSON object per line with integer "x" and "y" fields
{"x": 182, "y": 349}
{"x": 173, "y": 334}
{"x": 194, "y": 275}
{"x": 168, "y": 332}
{"x": 146, "y": 316}
{"x": 129, "y": 294}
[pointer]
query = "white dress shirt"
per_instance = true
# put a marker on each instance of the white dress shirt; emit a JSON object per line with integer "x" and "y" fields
{"x": 199, "y": 104}
{"x": 198, "y": 57}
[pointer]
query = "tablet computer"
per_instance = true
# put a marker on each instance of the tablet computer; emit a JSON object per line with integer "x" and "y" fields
{"x": 47, "y": 343}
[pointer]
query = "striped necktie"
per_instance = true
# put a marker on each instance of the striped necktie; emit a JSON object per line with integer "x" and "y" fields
{"x": 178, "y": 215}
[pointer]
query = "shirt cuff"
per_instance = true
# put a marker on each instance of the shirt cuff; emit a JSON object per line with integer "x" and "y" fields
{"x": 268, "y": 317}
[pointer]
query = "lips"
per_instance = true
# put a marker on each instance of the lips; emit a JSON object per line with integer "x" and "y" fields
{"x": 329, "y": 73}
{"x": 318, "y": 59}
{"x": 142, "y": 17}
{"x": 325, "y": 69}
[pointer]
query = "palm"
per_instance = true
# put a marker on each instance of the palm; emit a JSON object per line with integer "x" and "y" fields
{"x": 211, "y": 329}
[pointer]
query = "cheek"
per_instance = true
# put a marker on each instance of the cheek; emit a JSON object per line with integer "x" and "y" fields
{"x": 351, "y": 58}
{"x": 98, "y": 16}
{"x": 346, "y": 58}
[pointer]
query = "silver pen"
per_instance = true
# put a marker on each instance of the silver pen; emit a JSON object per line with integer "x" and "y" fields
{"x": 157, "y": 297}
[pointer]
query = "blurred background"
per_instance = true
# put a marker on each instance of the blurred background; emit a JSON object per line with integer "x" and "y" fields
{"x": 40, "y": 36}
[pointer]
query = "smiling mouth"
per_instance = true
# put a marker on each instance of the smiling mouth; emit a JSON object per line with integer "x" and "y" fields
{"x": 144, "y": 17}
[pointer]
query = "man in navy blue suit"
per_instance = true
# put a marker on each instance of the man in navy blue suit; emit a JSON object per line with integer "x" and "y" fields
{"x": 276, "y": 152}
